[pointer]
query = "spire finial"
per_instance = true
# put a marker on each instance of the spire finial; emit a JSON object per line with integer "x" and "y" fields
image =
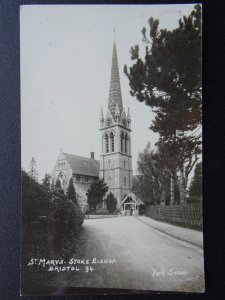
{"x": 114, "y": 33}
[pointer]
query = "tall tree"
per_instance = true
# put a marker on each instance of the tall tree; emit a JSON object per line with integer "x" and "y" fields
{"x": 196, "y": 183}
{"x": 151, "y": 182}
{"x": 96, "y": 192}
{"x": 169, "y": 80}
{"x": 33, "y": 170}
{"x": 71, "y": 192}
{"x": 177, "y": 158}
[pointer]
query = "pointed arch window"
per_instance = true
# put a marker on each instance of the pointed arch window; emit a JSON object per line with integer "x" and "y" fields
{"x": 106, "y": 143}
{"x": 122, "y": 142}
{"x": 126, "y": 144}
{"x": 112, "y": 141}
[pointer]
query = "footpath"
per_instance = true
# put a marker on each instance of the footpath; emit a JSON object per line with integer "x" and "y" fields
{"x": 87, "y": 217}
{"x": 190, "y": 236}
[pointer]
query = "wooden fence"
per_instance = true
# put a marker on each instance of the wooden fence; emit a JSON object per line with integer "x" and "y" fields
{"x": 188, "y": 215}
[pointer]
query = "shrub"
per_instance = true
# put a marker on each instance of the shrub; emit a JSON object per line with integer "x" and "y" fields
{"x": 111, "y": 202}
{"x": 47, "y": 215}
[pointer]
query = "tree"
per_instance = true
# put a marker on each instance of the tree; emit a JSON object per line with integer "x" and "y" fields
{"x": 111, "y": 202}
{"x": 96, "y": 193}
{"x": 169, "y": 80}
{"x": 58, "y": 184}
{"x": 52, "y": 186}
{"x": 46, "y": 180}
{"x": 35, "y": 200}
{"x": 71, "y": 193}
{"x": 33, "y": 170}
{"x": 177, "y": 158}
{"x": 152, "y": 182}
{"x": 196, "y": 183}
{"x": 47, "y": 212}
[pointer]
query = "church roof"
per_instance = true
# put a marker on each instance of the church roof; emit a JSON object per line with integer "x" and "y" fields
{"x": 82, "y": 165}
{"x": 115, "y": 95}
{"x": 134, "y": 197}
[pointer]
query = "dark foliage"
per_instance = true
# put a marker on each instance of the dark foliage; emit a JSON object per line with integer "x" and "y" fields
{"x": 151, "y": 183}
{"x": 35, "y": 200}
{"x": 65, "y": 220}
{"x": 196, "y": 183}
{"x": 96, "y": 192}
{"x": 46, "y": 181}
{"x": 58, "y": 184}
{"x": 177, "y": 158}
{"x": 60, "y": 214}
{"x": 169, "y": 80}
{"x": 51, "y": 225}
{"x": 71, "y": 193}
{"x": 111, "y": 202}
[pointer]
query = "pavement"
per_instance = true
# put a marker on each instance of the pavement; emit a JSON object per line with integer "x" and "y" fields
{"x": 190, "y": 236}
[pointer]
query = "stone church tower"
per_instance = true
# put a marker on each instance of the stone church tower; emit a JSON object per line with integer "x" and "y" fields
{"x": 115, "y": 127}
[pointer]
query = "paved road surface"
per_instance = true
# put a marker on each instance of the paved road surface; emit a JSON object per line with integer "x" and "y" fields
{"x": 145, "y": 258}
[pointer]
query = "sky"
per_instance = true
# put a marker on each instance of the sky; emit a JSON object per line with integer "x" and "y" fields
{"x": 66, "y": 54}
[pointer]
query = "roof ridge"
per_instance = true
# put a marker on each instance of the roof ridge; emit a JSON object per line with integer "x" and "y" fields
{"x": 81, "y": 156}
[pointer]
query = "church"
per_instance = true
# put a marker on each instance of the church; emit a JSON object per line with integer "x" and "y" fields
{"x": 115, "y": 127}
{"x": 115, "y": 164}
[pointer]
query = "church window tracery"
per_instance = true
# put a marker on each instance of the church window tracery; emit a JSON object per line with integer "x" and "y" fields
{"x": 122, "y": 142}
{"x": 126, "y": 144}
{"x": 112, "y": 141}
{"x": 107, "y": 143}
{"x": 61, "y": 165}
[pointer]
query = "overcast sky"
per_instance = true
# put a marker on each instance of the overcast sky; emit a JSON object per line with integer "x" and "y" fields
{"x": 66, "y": 53}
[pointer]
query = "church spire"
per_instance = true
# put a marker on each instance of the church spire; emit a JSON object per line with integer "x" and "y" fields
{"x": 115, "y": 95}
{"x": 101, "y": 117}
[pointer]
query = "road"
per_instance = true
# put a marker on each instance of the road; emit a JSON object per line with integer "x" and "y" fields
{"x": 145, "y": 259}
